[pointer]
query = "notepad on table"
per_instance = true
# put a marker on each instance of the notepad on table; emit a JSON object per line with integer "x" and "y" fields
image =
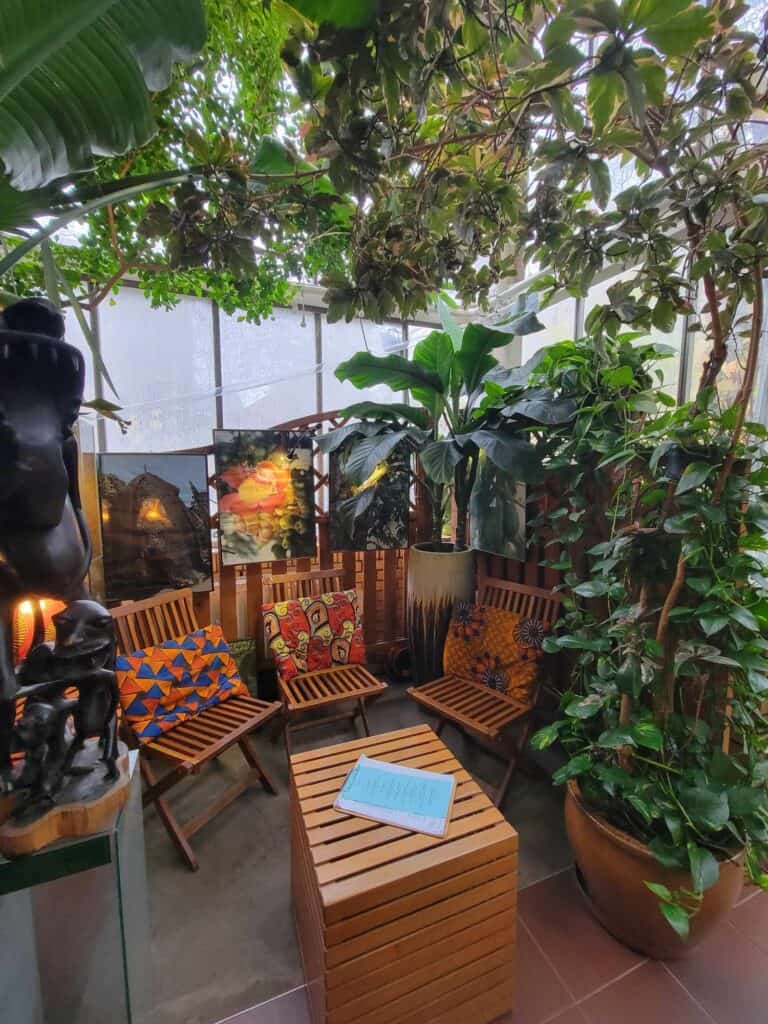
{"x": 409, "y": 798}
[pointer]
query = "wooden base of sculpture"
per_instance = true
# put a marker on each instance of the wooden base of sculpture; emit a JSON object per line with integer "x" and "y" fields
{"x": 85, "y": 804}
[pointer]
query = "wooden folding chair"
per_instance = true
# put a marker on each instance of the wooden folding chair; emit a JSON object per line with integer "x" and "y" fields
{"x": 193, "y": 743}
{"x": 327, "y": 687}
{"x": 484, "y": 713}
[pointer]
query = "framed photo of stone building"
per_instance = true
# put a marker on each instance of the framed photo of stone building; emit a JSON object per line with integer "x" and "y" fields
{"x": 155, "y": 524}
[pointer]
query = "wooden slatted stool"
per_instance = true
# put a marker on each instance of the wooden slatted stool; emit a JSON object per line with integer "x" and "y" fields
{"x": 482, "y": 712}
{"x": 396, "y": 927}
{"x": 196, "y": 742}
{"x": 310, "y": 691}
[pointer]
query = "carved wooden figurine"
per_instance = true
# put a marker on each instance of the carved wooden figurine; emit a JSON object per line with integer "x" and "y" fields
{"x": 45, "y": 551}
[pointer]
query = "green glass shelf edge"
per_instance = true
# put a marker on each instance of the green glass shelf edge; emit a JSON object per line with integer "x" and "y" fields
{"x": 54, "y": 862}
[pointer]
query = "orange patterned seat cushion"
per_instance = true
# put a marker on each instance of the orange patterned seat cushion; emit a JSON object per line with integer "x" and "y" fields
{"x": 313, "y": 633}
{"x": 497, "y": 648}
{"x": 162, "y": 686}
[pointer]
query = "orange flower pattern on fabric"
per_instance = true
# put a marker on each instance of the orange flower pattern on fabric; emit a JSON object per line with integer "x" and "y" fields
{"x": 313, "y": 633}
{"x": 162, "y": 686}
{"x": 496, "y": 648}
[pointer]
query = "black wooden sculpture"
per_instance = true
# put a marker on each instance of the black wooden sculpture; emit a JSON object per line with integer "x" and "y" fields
{"x": 45, "y": 551}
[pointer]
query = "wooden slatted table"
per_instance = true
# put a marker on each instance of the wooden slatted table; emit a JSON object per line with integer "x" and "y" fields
{"x": 396, "y": 927}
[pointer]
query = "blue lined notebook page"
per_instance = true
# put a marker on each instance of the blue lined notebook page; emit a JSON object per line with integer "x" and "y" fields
{"x": 391, "y": 793}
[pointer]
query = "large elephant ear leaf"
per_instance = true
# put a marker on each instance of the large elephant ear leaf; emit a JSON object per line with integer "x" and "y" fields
{"x": 514, "y": 455}
{"x": 365, "y": 455}
{"x": 440, "y": 459}
{"x": 473, "y": 357}
{"x": 334, "y": 439}
{"x": 435, "y": 353}
{"x": 517, "y": 376}
{"x": 390, "y": 412}
{"x": 366, "y": 370}
{"x": 541, "y": 405}
{"x": 75, "y": 78}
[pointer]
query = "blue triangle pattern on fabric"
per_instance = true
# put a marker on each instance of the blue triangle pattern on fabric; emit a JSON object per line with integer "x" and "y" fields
{"x": 180, "y": 660}
{"x": 137, "y": 707}
{"x": 145, "y": 672}
{"x": 165, "y": 673}
{"x": 150, "y": 731}
{"x": 155, "y": 691}
{"x": 217, "y": 662}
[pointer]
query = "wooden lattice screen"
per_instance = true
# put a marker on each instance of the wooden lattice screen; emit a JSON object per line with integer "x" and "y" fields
{"x": 378, "y": 576}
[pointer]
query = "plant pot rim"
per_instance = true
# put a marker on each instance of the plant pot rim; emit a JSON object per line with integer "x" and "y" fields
{"x": 619, "y": 836}
{"x": 443, "y": 547}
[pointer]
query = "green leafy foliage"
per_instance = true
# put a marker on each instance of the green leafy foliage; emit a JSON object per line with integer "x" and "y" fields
{"x": 656, "y": 684}
{"x": 468, "y": 449}
{"x": 76, "y": 77}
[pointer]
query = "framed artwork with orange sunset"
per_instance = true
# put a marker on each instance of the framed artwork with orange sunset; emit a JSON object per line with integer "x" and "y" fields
{"x": 265, "y": 486}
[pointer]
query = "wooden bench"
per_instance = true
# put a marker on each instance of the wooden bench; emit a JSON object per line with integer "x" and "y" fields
{"x": 310, "y": 691}
{"x": 479, "y": 710}
{"x": 200, "y": 740}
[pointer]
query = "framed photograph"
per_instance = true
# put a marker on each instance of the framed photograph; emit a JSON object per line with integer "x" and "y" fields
{"x": 265, "y": 484}
{"x": 383, "y": 500}
{"x": 155, "y": 524}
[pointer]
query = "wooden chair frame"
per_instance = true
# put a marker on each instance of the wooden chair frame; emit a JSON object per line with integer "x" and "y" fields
{"x": 328, "y": 687}
{"x": 194, "y": 743}
{"x": 484, "y": 714}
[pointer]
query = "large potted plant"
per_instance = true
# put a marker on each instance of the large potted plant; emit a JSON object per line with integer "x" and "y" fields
{"x": 661, "y": 517}
{"x": 452, "y": 425}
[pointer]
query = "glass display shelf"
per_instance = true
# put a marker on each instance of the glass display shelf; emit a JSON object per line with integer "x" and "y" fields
{"x": 74, "y": 927}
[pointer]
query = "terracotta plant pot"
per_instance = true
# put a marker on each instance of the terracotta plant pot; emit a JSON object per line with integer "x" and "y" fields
{"x": 438, "y": 577}
{"x": 614, "y": 868}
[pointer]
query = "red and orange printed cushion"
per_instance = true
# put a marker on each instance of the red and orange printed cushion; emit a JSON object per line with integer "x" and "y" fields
{"x": 497, "y": 648}
{"x": 313, "y": 633}
{"x": 162, "y": 686}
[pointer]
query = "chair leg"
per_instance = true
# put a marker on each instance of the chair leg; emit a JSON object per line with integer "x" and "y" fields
{"x": 250, "y": 756}
{"x": 516, "y": 754}
{"x": 287, "y": 734}
{"x": 364, "y": 717}
{"x": 168, "y": 819}
{"x": 440, "y": 726}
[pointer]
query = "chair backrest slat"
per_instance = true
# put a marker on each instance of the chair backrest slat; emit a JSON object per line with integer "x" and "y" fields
{"x": 301, "y": 584}
{"x": 155, "y": 619}
{"x": 531, "y": 602}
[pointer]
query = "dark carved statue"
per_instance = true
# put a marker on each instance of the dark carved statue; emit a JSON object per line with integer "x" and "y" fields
{"x": 45, "y": 551}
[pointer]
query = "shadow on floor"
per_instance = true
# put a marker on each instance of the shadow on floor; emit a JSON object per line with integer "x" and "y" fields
{"x": 223, "y": 937}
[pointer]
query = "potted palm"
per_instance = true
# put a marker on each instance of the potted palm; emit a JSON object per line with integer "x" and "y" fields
{"x": 452, "y": 426}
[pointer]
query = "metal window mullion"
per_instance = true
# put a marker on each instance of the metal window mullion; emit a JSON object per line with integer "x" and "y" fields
{"x": 218, "y": 370}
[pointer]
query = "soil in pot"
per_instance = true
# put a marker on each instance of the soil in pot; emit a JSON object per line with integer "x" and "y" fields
{"x": 614, "y": 868}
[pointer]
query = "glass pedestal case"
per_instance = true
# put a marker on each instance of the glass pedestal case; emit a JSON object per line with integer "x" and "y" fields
{"x": 74, "y": 927}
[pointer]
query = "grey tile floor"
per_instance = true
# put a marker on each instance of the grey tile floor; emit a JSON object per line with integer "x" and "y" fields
{"x": 222, "y": 938}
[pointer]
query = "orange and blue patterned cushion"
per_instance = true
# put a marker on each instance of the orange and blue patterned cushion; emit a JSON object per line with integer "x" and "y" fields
{"x": 165, "y": 685}
{"x": 313, "y": 633}
{"x": 494, "y": 647}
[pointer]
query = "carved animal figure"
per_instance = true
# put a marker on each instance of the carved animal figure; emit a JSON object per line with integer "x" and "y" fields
{"x": 82, "y": 656}
{"x": 44, "y": 543}
{"x": 41, "y": 734}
